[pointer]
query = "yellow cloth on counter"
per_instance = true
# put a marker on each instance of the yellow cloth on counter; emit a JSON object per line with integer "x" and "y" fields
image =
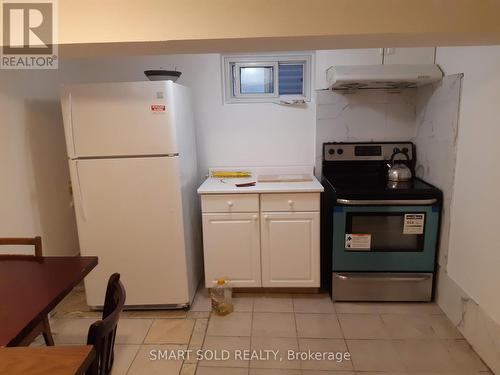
{"x": 231, "y": 174}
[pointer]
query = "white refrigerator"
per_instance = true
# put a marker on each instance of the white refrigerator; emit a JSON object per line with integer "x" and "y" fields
{"x": 132, "y": 157}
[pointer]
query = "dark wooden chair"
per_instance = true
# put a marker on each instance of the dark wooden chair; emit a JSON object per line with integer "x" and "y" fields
{"x": 43, "y": 327}
{"x": 103, "y": 332}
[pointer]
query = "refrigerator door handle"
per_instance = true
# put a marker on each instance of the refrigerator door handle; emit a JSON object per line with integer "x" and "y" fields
{"x": 70, "y": 115}
{"x": 80, "y": 192}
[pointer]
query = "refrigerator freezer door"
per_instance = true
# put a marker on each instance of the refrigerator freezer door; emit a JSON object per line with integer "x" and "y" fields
{"x": 119, "y": 119}
{"x": 129, "y": 214}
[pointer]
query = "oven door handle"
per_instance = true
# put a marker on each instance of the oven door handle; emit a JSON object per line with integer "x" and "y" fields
{"x": 384, "y": 278}
{"x": 387, "y": 202}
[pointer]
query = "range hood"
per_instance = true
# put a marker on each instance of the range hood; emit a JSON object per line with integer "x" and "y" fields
{"x": 397, "y": 76}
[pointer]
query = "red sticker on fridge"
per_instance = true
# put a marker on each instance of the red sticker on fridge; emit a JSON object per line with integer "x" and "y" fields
{"x": 158, "y": 108}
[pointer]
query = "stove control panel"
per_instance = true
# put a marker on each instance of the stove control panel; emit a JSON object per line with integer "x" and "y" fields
{"x": 366, "y": 151}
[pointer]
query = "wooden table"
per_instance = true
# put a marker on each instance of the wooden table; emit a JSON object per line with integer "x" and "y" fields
{"x": 46, "y": 360}
{"x": 30, "y": 287}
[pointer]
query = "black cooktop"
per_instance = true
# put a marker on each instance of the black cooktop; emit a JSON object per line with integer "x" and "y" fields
{"x": 359, "y": 188}
{"x": 359, "y": 171}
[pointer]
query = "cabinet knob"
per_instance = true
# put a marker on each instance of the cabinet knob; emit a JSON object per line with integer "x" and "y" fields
{"x": 266, "y": 217}
{"x": 255, "y": 217}
{"x": 230, "y": 203}
{"x": 290, "y": 202}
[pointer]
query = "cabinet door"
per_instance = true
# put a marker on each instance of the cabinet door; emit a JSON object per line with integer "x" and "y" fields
{"x": 327, "y": 58}
{"x": 231, "y": 246}
{"x": 290, "y": 249}
{"x": 415, "y": 55}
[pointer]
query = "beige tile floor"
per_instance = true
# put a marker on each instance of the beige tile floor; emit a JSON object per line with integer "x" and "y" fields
{"x": 389, "y": 339}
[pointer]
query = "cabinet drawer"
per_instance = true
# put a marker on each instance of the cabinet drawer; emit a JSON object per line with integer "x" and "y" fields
{"x": 289, "y": 202}
{"x": 230, "y": 203}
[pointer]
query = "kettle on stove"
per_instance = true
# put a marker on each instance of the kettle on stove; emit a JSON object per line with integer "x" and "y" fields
{"x": 398, "y": 171}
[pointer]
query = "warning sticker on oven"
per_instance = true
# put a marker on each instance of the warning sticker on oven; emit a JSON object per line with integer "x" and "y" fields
{"x": 414, "y": 224}
{"x": 358, "y": 241}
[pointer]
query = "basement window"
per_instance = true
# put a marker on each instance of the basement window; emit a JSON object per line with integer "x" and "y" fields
{"x": 281, "y": 79}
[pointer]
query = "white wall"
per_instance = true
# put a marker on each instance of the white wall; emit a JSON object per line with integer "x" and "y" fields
{"x": 34, "y": 196}
{"x": 469, "y": 282}
{"x": 436, "y": 143}
{"x": 228, "y": 135}
{"x": 474, "y": 258}
{"x": 364, "y": 116}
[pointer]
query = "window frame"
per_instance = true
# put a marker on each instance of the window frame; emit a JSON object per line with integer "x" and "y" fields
{"x": 236, "y": 79}
{"x": 231, "y": 78}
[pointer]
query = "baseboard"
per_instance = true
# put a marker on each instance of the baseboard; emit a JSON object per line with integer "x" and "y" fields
{"x": 482, "y": 332}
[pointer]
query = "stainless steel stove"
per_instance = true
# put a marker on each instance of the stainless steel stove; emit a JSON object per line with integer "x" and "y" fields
{"x": 379, "y": 237}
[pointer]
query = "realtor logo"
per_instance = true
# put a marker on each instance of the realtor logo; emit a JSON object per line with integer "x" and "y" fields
{"x": 29, "y": 34}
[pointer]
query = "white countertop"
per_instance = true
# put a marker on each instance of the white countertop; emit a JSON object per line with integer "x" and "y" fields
{"x": 227, "y": 186}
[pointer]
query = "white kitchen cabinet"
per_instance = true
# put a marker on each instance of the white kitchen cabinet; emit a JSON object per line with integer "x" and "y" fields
{"x": 230, "y": 203}
{"x": 231, "y": 246}
{"x": 290, "y": 249}
{"x": 289, "y": 202}
{"x": 415, "y": 55}
{"x": 262, "y": 239}
{"x": 327, "y": 58}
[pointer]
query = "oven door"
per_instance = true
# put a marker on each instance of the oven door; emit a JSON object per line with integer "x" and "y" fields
{"x": 378, "y": 238}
